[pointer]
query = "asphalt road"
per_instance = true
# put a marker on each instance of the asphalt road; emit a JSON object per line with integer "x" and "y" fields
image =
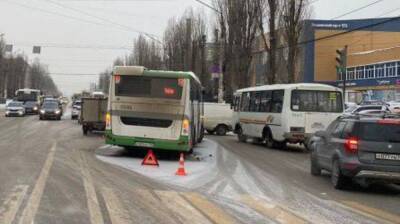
{"x": 49, "y": 174}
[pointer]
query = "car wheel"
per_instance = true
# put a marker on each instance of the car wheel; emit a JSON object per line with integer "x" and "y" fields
{"x": 314, "y": 167}
{"x": 240, "y": 135}
{"x": 221, "y": 130}
{"x": 339, "y": 181}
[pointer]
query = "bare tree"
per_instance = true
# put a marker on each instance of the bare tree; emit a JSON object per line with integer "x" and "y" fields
{"x": 183, "y": 42}
{"x": 238, "y": 22}
{"x": 292, "y": 16}
{"x": 146, "y": 53}
{"x": 269, "y": 10}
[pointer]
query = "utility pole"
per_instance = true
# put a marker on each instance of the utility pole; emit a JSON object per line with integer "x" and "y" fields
{"x": 341, "y": 66}
{"x": 221, "y": 45}
{"x": 188, "y": 41}
{"x": 203, "y": 41}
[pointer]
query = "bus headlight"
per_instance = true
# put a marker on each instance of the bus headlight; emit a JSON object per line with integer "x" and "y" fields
{"x": 108, "y": 120}
{"x": 185, "y": 127}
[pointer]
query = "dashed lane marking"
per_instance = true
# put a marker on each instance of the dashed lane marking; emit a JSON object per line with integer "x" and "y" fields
{"x": 116, "y": 210}
{"x": 12, "y": 203}
{"x": 33, "y": 203}
{"x": 213, "y": 212}
{"x": 181, "y": 207}
{"x": 92, "y": 202}
{"x": 272, "y": 211}
{"x": 371, "y": 212}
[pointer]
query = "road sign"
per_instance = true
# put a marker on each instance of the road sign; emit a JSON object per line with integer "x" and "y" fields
{"x": 150, "y": 159}
{"x": 36, "y": 49}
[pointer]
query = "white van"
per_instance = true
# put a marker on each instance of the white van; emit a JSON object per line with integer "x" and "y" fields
{"x": 281, "y": 113}
{"x": 217, "y": 118}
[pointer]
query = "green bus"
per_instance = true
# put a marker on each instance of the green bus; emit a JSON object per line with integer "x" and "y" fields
{"x": 154, "y": 109}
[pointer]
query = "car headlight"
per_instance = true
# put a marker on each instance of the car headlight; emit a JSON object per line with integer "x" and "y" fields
{"x": 58, "y": 111}
{"x": 7, "y": 112}
{"x": 42, "y": 111}
{"x": 35, "y": 108}
{"x": 21, "y": 112}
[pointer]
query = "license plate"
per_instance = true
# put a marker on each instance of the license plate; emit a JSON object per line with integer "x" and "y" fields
{"x": 384, "y": 156}
{"x": 144, "y": 144}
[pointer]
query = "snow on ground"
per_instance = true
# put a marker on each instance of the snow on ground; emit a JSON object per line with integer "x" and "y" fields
{"x": 200, "y": 166}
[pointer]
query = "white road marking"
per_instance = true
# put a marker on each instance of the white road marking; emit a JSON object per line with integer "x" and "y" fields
{"x": 116, "y": 210}
{"x": 272, "y": 211}
{"x": 33, "y": 203}
{"x": 181, "y": 207}
{"x": 93, "y": 203}
{"x": 12, "y": 203}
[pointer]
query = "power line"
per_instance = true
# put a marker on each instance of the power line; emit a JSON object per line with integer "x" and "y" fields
{"x": 151, "y": 36}
{"x": 207, "y": 5}
{"x": 73, "y": 74}
{"x": 357, "y": 9}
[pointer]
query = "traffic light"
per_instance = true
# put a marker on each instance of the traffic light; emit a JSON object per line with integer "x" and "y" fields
{"x": 341, "y": 59}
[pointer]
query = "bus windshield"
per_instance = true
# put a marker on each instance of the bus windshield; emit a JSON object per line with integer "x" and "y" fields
{"x": 148, "y": 87}
{"x": 317, "y": 101}
{"x": 27, "y": 96}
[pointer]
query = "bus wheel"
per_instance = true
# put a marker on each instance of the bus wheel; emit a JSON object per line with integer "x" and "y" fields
{"x": 221, "y": 129}
{"x": 240, "y": 135}
{"x": 269, "y": 140}
{"x": 85, "y": 130}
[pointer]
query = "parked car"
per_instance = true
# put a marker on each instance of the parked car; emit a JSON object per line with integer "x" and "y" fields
{"x": 359, "y": 109}
{"x": 15, "y": 108}
{"x": 394, "y": 106}
{"x": 362, "y": 148}
{"x": 31, "y": 107}
{"x": 76, "y": 109}
{"x": 217, "y": 118}
{"x": 50, "y": 110}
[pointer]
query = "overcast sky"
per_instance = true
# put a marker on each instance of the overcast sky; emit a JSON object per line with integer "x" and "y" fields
{"x": 76, "y": 43}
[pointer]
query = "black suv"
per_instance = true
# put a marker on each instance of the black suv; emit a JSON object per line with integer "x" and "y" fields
{"x": 361, "y": 148}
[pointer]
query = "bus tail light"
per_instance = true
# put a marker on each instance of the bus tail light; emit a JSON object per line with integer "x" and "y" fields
{"x": 108, "y": 120}
{"x": 185, "y": 127}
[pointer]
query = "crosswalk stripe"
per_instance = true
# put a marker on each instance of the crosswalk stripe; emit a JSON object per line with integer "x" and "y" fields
{"x": 372, "y": 212}
{"x": 116, "y": 210}
{"x": 272, "y": 211}
{"x": 93, "y": 204}
{"x": 33, "y": 203}
{"x": 12, "y": 203}
{"x": 186, "y": 213}
{"x": 213, "y": 212}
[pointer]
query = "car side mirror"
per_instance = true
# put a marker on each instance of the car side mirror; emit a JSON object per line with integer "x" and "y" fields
{"x": 321, "y": 134}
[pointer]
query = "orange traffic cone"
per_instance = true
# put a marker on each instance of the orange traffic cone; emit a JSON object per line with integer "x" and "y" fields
{"x": 181, "y": 170}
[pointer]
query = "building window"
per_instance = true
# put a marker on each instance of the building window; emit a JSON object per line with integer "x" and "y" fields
{"x": 379, "y": 71}
{"x": 350, "y": 74}
{"x": 360, "y": 72}
{"x": 391, "y": 69}
{"x": 370, "y": 72}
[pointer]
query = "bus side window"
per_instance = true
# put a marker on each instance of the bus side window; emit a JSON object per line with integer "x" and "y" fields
{"x": 265, "y": 104}
{"x": 245, "y": 102}
{"x": 277, "y": 101}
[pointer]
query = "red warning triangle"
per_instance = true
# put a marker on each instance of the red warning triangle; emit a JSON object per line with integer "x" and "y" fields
{"x": 150, "y": 159}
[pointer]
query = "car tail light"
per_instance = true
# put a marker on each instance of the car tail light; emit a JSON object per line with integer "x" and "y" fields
{"x": 108, "y": 120}
{"x": 351, "y": 145}
{"x": 185, "y": 127}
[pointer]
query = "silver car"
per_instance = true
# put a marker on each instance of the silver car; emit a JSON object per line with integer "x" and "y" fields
{"x": 15, "y": 108}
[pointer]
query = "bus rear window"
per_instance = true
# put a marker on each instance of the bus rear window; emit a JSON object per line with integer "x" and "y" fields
{"x": 316, "y": 101}
{"x": 138, "y": 86}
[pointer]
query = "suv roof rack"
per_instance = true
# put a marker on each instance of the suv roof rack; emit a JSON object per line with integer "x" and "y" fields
{"x": 383, "y": 115}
